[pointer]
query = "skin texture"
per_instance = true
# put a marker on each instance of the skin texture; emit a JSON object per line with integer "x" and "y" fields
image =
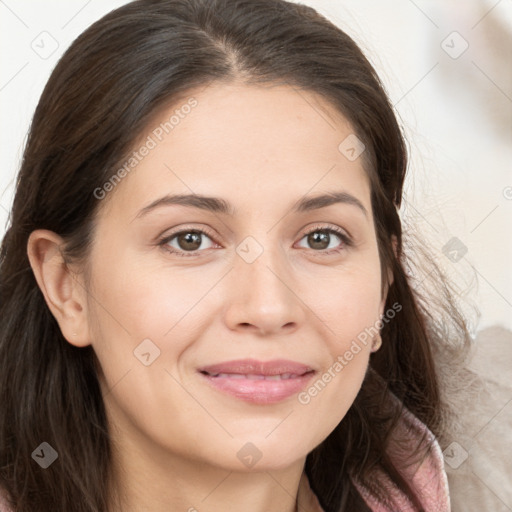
{"x": 176, "y": 439}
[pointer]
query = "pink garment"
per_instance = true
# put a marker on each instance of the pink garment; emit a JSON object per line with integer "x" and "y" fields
{"x": 428, "y": 478}
{"x": 4, "y": 506}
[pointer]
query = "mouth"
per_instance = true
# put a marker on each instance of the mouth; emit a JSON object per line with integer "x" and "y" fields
{"x": 253, "y": 376}
{"x": 258, "y": 382}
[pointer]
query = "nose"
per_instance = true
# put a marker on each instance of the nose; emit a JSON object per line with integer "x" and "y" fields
{"x": 263, "y": 295}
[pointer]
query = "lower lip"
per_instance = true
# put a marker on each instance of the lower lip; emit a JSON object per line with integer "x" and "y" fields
{"x": 259, "y": 391}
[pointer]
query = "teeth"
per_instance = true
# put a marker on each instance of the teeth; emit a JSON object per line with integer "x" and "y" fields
{"x": 283, "y": 376}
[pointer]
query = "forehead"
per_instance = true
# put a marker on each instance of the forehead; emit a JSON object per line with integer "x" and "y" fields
{"x": 249, "y": 144}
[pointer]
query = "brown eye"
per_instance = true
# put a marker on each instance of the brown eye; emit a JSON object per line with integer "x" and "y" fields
{"x": 319, "y": 240}
{"x": 327, "y": 240}
{"x": 188, "y": 241}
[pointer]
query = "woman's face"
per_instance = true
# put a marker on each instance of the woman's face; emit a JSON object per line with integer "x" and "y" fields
{"x": 178, "y": 287}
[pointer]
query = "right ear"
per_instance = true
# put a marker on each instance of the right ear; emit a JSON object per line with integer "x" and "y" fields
{"x": 63, "y": 290}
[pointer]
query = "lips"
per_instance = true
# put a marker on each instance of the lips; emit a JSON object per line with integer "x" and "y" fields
{"x": 252, "y": 376}
{"x": 277, "y": 367}
{"x": 257, "y": 381}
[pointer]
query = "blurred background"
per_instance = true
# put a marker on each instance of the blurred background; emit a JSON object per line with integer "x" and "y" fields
{"x": 447, "y": 67}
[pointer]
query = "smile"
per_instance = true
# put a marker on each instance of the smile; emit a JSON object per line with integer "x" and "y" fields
{"x": 256, "y": 381}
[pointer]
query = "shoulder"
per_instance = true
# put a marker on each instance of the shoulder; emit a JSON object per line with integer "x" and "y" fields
{"x": 426, "y": 475}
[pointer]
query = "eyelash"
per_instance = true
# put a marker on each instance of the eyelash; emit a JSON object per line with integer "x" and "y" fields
{"x": 346, "y": 240}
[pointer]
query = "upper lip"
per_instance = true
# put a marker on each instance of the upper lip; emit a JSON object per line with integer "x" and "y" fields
{"x": 255, "y": 367}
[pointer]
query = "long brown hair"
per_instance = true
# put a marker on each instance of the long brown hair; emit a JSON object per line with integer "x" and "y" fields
{"x": 109, "y": 83}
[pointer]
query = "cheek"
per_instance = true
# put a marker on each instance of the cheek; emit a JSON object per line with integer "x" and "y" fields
{"x": 139, "y": 313}
{"x": 347, "y": 302}
{"x": 333, "y": 391}
{"x": 139, "y": 309}
{"x": 138, "y": 301}
{"x": 349, "y": 306}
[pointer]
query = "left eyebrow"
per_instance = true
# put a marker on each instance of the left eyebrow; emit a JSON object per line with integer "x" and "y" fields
{"x": 219, "y": 205}
{"x": 307, "y": 204}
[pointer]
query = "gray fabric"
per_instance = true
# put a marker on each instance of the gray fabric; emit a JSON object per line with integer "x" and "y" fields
{"x": 482, "y": 482}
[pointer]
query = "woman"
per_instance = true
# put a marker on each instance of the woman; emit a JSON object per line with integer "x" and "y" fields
{"x": 204, "y": 297}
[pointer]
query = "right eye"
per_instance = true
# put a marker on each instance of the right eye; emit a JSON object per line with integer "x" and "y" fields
{"x": 187, "y": 242}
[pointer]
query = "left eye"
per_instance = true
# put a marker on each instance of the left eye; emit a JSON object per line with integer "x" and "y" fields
{"x": 321, "y": 239}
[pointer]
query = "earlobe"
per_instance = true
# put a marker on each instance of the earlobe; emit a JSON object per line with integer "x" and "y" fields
{"x": 63, "y": 293}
